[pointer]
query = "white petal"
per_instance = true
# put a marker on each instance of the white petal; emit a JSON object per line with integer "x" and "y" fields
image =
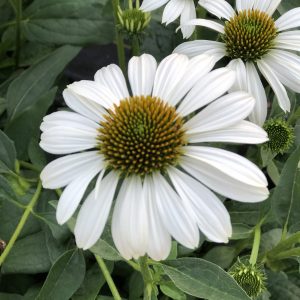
{"x": 174, "y": 214}
{"x": 206, "y": 23}
{"x": 215, "y": 49}
{"x": 159, "y": 242}
{"x": 289, "y": 40}
{"x": 84, "y": 106}
{"x": 278, "y": 88}
{"x": 73, "y": 193}
{"x": 129, "y": 223}
{"x": 238, "y": 66}
{"x": 209, "y": 88}
{"x": 256, "y": 89}
{"x": 188, "y": 13}
{"x": 290, "y": 19}
{"x": 221, "y": 183}
{"x": 94, "y": 213}
{"x": 168, "y": 75}
{"x": 244, "y": 4}
{"x": 197, "y": 68}
{"x": 219, "y": 8}
{"x": 243, "y": 132}
{"x": 113, "y": 79}
{"x": 211, "y": 215}
{"x": 172, "y": 11}
{"x": 224, "y": 112}
{"x": 149, "y": 5}
{"x": 272, "y": 7}
{"x": 141, "y": 74}
{"x": 261, "y": 5}
{"x": 61, "y": 171}
{"x": 286, "y": 66}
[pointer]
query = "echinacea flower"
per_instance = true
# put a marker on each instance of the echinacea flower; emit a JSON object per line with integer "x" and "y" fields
{"x": 174, "y": 8}
{"x": 146, "y": 143}
{"x": 252, "y": 38}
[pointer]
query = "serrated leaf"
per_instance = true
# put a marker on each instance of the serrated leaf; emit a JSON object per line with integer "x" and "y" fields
{"x": 203, "y": 279}
{"x": 286, "y": 196}
{"x": 28, "y": 88}
{"x": 65, "y": 277}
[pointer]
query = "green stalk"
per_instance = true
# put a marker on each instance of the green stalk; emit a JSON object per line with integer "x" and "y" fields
{"x": 22, "y": 222}
{"x": 108, "y": 278}
{"x": 135, "y": 45}
{"x": 256, "y": 243}
{"x": 119, "y": 38}
{"x": 147, "y": 277}
{"x": 18, "y": 32}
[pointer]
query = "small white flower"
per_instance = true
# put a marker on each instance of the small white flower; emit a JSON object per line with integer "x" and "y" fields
{"x": 174, "y": 8}
{"x": 252, "y": 38}
{"x": 141, "y": 140}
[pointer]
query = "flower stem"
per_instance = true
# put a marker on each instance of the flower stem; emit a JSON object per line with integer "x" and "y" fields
{"x": 108, "y": 278}
{"x": 29, "y": 166}
{"x": 119, "y": 38}
{"x": 18, "y": 32}
{"x": 256, "y": 243}
{"x": 147, "y": 277}
{"x": 135, "y": 45}
{"x": 22, "y": 222}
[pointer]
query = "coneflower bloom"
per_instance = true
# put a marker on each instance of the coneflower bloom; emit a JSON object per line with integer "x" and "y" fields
{"x": 147, "y": 143}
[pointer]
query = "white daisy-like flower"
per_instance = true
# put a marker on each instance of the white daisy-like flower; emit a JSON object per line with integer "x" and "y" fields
{"x": 148, "y": 144}
{"x": 251, "y": 37}
{"x": 174, "y": 8}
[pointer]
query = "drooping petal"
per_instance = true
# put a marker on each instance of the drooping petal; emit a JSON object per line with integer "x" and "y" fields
{"x": 219, "y": 8}
{"x": 211, "y": 87}
{"x": 159, "y": 243}
{"x": 149, "y": 5}
{"x": 243, "y": 132}
{"x": 224, "y": 112}
{"x": 129, "y": 223}
{"x": 94, "y": 212}
{"x": 172, "y": 11}
{"x": 113, "y": 79}
{"x": 222, "y": 183}
{"x": 188, "y": 13}
{"x": 61, "y": 171}
{"x": 174, "y": 215}
{"x": 278, "y": 88}
{"x": 256, "y": 89}
{"x": 168, "y": 75}
{"x": 289, "y": 40}
{"x": 211, "y": 215}
{"x": 73, "y": 193}
{"x": 84, "y": 106}
{"x": 206, "y": 23}
{"x": 141, "y": 74}
{"x": 290, "y": 19}
{"x": 193, "y": 48}
{"x": 238, "y": 66}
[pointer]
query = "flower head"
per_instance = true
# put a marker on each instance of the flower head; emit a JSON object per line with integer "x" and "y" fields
{"x": 147, "y": 142}
{"x": 253, "y": 39}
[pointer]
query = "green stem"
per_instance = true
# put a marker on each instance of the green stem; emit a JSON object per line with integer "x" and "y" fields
{"x": 18, "y": 32}
{"x": 29, "y": 166}
{"x": 22, "y": 222}
{"x": 108, "y": 278}
{"x": 134, "y": 265}
{"x": 135, "y": 45}
{"x": 147, "y": 277}
{"x": 119, "y": 38}
{"x": 256, "y": 243}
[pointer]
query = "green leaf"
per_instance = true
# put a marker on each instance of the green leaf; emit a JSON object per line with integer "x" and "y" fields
{"x": 203, "y": 279}
{"x": 2, "y": 105}
{"x": 7, "y": 152}
{"x": 92, "y": 284}
{"x": 26, "y": 126}
{"x": 170, "y": 290}
{"x": 74, "y": 22}
{"x": 222, "y": 256}
{"x": 36, "y": 154}
{"x": 273, "y": 172}
{"x": 5, "y": 296}
{"x": 29, "y": 87}
{"x": 286, "y": 196}
{"x": 29, "y": 255}
{"x": 241, "y": 231}
{"x": 65, "y": 277}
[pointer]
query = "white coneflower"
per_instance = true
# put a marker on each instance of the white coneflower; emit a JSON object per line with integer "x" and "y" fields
{"x": 251, "y": 37}
{"x": 148, "y": 142}
{"x": 174, "y": 8}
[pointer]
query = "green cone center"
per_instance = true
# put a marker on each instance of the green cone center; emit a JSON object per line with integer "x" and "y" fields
{"x": 141, "y": 135}
{"x": 249, "y": 35}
